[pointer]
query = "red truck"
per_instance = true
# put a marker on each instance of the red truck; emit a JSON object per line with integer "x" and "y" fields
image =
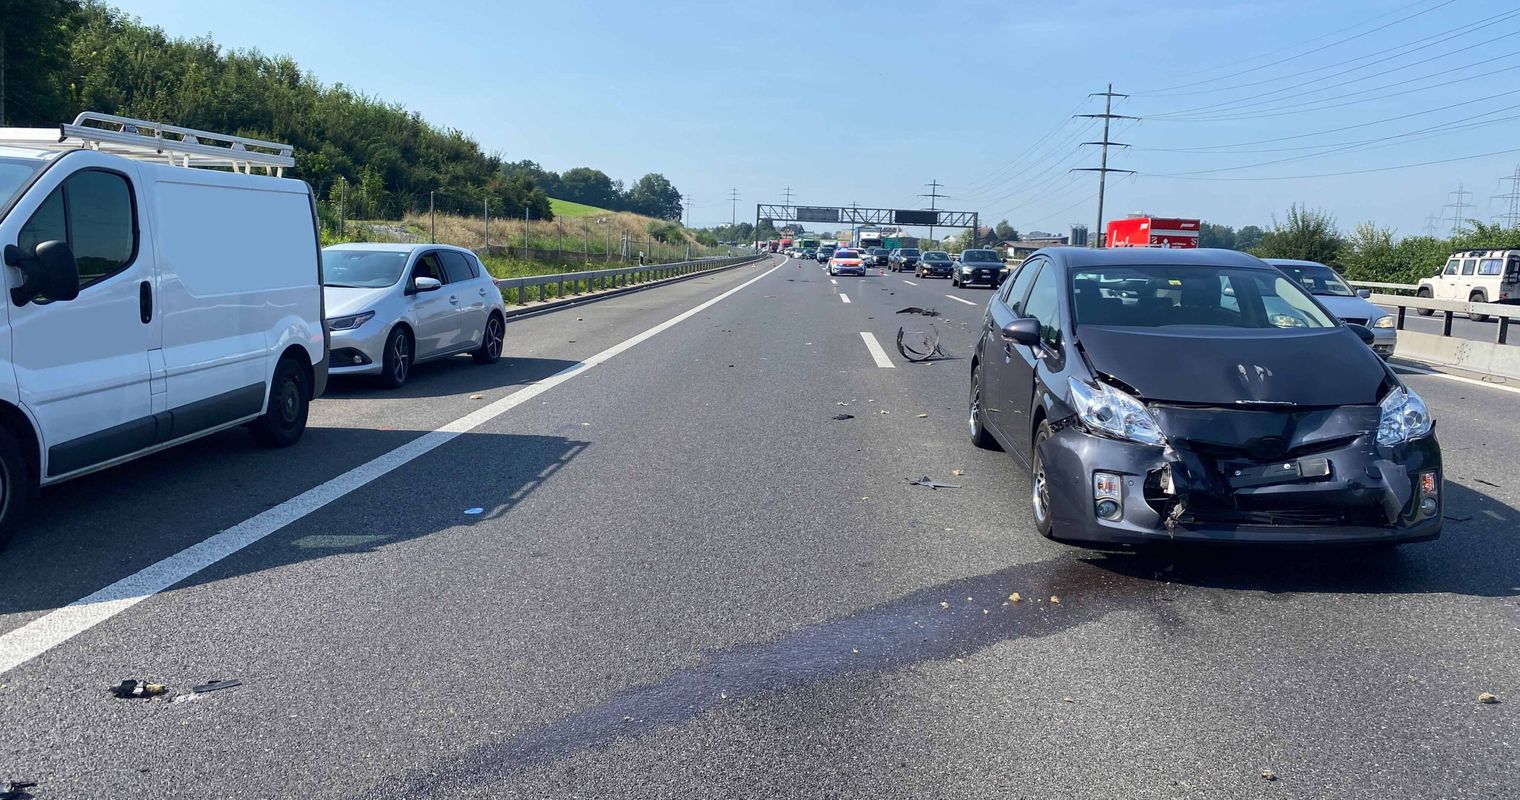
{"x": 1153, "y": 232}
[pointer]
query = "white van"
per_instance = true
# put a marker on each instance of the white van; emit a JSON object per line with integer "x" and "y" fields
{"x": 153, "y": 298}
{"x": 1476, "y": 276}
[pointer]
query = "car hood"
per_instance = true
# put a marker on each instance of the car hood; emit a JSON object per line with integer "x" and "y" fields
{"x": 1238, "y": 367}
{"x": 1344, "y": 307}
{"x": 342, "y": 300}
{"x": 981, "y": 264}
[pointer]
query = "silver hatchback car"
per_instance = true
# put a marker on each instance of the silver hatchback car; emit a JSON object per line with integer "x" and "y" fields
{"x": 389, "y": 306}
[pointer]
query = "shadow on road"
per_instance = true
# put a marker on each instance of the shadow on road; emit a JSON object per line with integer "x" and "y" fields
{"x": 447, "y": 376}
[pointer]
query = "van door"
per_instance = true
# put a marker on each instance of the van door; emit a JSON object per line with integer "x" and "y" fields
{"x": 82, "y": 366}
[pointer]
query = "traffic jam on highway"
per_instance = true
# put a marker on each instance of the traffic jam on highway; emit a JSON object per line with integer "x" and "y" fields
{"x": 496, "y": 586}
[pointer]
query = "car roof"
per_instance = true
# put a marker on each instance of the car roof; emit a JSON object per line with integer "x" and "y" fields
{"x": 1293, "y": 262}
{"x": 394, "y": 247}
{"x": 1151, "y": 256}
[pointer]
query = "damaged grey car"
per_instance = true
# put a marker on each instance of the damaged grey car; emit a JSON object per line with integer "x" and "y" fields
{"x": 1198, "y": 395}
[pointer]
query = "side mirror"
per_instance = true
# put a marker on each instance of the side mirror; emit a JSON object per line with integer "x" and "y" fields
{"x": 422, "y": 283}
{"x": 52, "y": 272}
{"x": 1362, "y": 332}
{"x": 1364, "y": 293}
{"x": 1026, "y": 331}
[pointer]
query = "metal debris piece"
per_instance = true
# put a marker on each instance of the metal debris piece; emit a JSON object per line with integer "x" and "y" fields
{"x": 213, "y": 685}
{"x": 1055, "y": 599}
{"x": 923, "y": 416}
{"x": 1067, "y": 700}
{"x": 920, "y": 345}
{"x": 932, "y": 484}
{"x": 1488, "y": 483}
{"x": 1488, "y": 699}
{"x": 1268, "y": 775}
{"x": 957, "y": 472}
{"x": 17, "y": 790}
{"x": 1015, "y": 597}
{"x": 928, "y": 312}
{"x": 844, "y": 416}
{"x": 131, "y": 690}
{"x": 476, "y": 396}
{"x": 944, "y": 604}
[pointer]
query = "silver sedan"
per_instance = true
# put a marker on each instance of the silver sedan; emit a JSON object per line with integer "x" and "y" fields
{"x": 390, "y": 306}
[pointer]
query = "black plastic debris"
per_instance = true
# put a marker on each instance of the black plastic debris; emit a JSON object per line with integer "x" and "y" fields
{"x": 932, "y": 484}
{"x": 213, "y": 685}
{"x": 17, "y": 790}
{"x": 136, "y": 690}
{"x": 928, "y": 312}
{"x": 844, "y": 416}
{"x": 919, "y": 346}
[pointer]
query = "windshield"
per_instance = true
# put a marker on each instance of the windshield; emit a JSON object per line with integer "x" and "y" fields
{"x": 878, "y": 251}
{"x": 362, "y": 269}
{"x": 1317, "y": 279}
{"x": 14, "y": 173}
{"x": 936, "y": 255}
{"x": 980, "y": 255}
{"x": 1162, "y": 296}
{"x": 911, "y": 252}
{"x": 845, "y": 254}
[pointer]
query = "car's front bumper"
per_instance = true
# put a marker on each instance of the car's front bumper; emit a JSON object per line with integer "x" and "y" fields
{"x": 980, "y": 275}
{"x": 359, "y": 351}
{"x": 936, "y": 272}
{"x": 855, "y": 270}
{"x": 1384, "y": 340}
{"x": 1371, "y": 495}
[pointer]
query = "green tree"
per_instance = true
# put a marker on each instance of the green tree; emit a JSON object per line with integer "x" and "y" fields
{"x": 34, "y": 43}
{"x": 1212, "y": 234}
{"x": 589, "y": 186}
{"x": 1006, "y": 232}
{"x": 654, "y": 196}
{"x": 1248, "y": 237}
{"x": 1308, "y": 234}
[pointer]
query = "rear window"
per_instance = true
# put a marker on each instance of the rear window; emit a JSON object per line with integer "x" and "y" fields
{"x": 912, "y": 252}
{"x": 1162, "y": 296}
{"x": 980, "y": 255}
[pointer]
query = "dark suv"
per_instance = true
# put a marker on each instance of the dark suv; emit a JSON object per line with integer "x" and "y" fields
{"x": 875, "y": 257}
{"x": 977, "y": 266}
{"x": 934, "y": 264}
{"x": 903, "y": 259}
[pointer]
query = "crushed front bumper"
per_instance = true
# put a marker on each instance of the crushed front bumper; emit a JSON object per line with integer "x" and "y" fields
{"x": 1201, "y": 489}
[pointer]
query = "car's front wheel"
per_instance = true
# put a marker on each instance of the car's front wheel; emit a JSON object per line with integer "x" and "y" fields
{"x": 1477, "y": 297}
{"x": 490, "y": 341}
{"x": 396, "y": 367}
{"x": 1039, "y": 495}
{"x": 979, "y": 435}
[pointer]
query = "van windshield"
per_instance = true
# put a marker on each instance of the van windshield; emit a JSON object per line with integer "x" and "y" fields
{"x": 362, "y": 269}
{"x": 14, "y": 173}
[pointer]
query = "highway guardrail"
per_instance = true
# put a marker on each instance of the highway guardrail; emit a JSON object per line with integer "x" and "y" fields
{"x": 1498, "y": 357}
{"x": 1398, "y": 287}
{"x": 519, "y": 291}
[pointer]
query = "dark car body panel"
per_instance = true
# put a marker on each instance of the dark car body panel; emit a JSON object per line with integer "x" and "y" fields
{"x": 1285, "y": 454}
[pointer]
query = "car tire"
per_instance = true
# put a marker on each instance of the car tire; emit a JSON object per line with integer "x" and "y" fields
{"x": 283, "y": 422}
{"x": 978, "y": 430}
{"x": 400, "y": 354}
{"x": 1477, "y": 297}
{"x": 17, "y": 486}
{"x": 1424, "y": 294}
{"x": 1039, "y": 493}
{"x": 490, "y": 340}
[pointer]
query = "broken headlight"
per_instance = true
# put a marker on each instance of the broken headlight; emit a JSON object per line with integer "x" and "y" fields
{"x": 1108, "y": 411}
{"x": 1404, "y": 417}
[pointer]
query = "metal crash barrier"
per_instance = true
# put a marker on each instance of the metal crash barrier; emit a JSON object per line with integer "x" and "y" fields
{"x": 520, "y": 291}
{"x": 1498, "y": 357}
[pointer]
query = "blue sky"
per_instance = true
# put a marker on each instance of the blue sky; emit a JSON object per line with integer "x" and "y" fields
{"x": 867, "y": 101}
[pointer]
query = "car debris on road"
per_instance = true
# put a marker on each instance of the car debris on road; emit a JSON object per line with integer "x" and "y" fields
{"x": 925, "y": 345}
{"x": 932, "y": 484}
{"x": 135, "y": 690}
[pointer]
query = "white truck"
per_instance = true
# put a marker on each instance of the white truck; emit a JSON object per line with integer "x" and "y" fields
{"x": 1475, "y": 276}
{"x": 151, "y": 301}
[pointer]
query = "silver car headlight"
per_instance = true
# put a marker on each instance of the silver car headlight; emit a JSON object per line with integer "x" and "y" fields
{"x": 1111, "y": 412}
{"x": 1385, "y": 321}
{"x": 349, "y": 322}
{"x": 1404, "y": 417}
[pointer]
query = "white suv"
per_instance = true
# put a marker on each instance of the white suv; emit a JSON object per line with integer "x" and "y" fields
{"x": 1476, "y": 276}
{"x": 149, "y": 304}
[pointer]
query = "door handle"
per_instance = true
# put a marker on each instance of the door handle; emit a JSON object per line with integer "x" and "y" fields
{"x": 454, "y": 298}
{"x": 145, "y": 302}
{"x": 482, "y": 291}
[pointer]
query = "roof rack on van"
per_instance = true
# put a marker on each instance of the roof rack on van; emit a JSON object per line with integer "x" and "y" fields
{"x": 150, "y": 141}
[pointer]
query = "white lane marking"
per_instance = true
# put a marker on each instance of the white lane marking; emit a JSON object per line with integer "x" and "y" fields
{"x": 844, "y": 297}
{"x": 958, "y": 300}
{"x": 831, "y": 280}
{"x": 910, "y": 283}
{"x": 1422, "y": 371}
{"x": 56, "y": 627}
{"x": 877, "y": 354}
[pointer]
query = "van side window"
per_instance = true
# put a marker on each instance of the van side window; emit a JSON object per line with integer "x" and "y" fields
{"x": 92, "y": 210}
{"x": 1451, "y": 267}
{"x": 1468, "y": 264}
{"x": 457, "y": 266}
{"x": 1490, "y": 266}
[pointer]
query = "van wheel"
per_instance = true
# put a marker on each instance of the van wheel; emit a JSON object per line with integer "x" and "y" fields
{"x": 490, "y": 341}
{"x": 17, "y": 486}
{"x": 1424, "y": 294}
{"x": 1039, "y": 495}
{"x": 285, "y": 420}
{"x": 1477, "y": 297}
{"x": 396, "y": 367}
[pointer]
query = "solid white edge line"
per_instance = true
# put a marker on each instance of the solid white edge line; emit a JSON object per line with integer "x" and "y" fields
{"x": 56, "y": 627}
{"x": 1460, "y": 378}
{"x": 877, "y": 353}
{"x": 910, "y": 283}
{"x": 959, "y": 300}
{"x": 844, "y": 297}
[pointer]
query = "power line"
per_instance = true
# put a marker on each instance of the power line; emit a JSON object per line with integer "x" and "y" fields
{"x": 1430, "y": 224}
{"x": 1103, "y": 169}
{"x": 1512, "y": 217}
{"x": 788, "y": 192}
{"x": 733, "y": 208}
{"x": 1301, "y": 55}
{"x": 1346, "y": 172}
{"x": 1457, "y": 208}
{"x": 934, "y": 197}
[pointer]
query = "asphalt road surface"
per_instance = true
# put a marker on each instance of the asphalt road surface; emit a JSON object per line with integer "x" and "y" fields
{"x": 688, "y": 580}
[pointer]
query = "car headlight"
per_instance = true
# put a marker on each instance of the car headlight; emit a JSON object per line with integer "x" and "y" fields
{"x": 1404, "y": 417}
{"x": 349, "y": 322}
{"x": 1385, "y": 321}
{"x": 1108, "y": 411}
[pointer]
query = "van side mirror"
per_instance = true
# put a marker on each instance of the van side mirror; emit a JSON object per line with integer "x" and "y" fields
{"x": 52, "y": 272}
{"x": 1025, "y": 331}
{"x": 1362, "y": 331}
{"x": 1364, "y": 293}
{"x": 422, "y": 283}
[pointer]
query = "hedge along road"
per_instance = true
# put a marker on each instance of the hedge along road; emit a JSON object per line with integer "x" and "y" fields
{"x": 689, "y": 579}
